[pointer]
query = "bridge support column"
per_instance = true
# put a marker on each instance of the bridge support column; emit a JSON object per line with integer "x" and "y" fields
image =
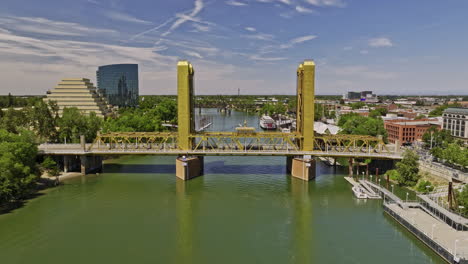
{"x": 303, "y": 168}
{"x": 189, "y": 167}
{"x": 66, "y": 164}
{"x": 90, "y": 164}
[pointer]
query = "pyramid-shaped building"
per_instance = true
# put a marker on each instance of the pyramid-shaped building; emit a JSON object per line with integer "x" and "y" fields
{"x": 79, "y": 93}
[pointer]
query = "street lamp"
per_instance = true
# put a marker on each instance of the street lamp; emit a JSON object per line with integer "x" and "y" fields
{"x": 455, "y": 248}
{"x": 379, "y": 182}
{"x": 392, "y": 188}
{"x": 371, "y": 178}
{"x": 432, "y": 234}
{"x": 428, "y": 187}
{"x": 407, "y": 197}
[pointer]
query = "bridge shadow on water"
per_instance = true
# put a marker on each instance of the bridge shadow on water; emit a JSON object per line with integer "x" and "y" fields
{"x": 214, "y": 167}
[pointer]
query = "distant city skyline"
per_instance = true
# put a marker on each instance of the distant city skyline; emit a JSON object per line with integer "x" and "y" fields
{"x": 388, "y": 47}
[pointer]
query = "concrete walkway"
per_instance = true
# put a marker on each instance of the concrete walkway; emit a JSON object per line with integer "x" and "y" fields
{"x": 455, "y": 242}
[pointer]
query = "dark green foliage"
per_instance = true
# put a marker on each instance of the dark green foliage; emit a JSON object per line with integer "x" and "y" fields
{"x": 134, "y": 121}
{"x": 378, "y": 112}
{"x": 408, "y": 169}
{"x": 440, "y": 138}
{"x": 272, "y": 109}
{"x": 14, "y": 120}
{"x": 394, "y": 175}
{"x": 424, "y": 187}
{"x": 9, "y": 100}
{"x": 357, "y": 105}
{"x": 73, "y": 123}
{"x": 355, "y": 124}
{"x": 51, "y": 166}
{"x": 462, "y": 198}
{"x": 18, "y": 171}
{"x": 440, "y": 109}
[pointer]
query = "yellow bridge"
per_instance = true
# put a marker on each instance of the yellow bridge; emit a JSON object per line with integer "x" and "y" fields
{"x": 299, "y": 146}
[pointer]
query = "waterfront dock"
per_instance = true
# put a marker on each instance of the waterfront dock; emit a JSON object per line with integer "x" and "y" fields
{"x": 442, "y": 231}
{"x": 371, "y": 194}
{"x": 449, "y": 243}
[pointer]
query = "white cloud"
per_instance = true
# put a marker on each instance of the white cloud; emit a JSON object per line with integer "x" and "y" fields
{"x": 235, "y": 3}
{"x": 165, "y": 23}
{"x": 182, "y": 18}
{"x": 270, "y": 59}
{"x": 43, "y": 26}
{"x": 193, "y": 54}
{"x": 348, "y": 48}
{"x": 380, "y": 42}
{"x": 201, "y": 28}
{"x": 251, "y": 29}
{"x": 286, "y": 2}
{"x": 335, "y": 3}
{"x": 298, "y": 40}
{"x": 260, "y": 36}
{"x": 114, "y": 15}
{"x": 364, "y": 52}
{"x": 302, "y": 9}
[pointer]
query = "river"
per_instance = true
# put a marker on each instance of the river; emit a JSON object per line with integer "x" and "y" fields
{"x": 243, "y": 210}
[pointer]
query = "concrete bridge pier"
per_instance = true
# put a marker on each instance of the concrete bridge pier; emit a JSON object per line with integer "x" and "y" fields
{"x": 301, "y": 167}
{"x": 90, "y": 164}
{"x": 189, "y": 167}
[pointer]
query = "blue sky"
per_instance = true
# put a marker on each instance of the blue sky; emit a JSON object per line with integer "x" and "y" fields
{"x": 390, "y": 47}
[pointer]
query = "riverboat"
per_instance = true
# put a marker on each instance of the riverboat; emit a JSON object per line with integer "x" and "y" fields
{"x": 267, "y": 123}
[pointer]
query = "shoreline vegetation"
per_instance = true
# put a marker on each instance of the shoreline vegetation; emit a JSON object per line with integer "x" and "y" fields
{"x": 36, "y": 122}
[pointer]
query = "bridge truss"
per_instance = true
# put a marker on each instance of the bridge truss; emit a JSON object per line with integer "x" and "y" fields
{"x": 233, "y": 142}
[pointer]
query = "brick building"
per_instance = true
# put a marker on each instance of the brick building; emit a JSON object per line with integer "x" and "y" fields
{"x": 408, "y": 131}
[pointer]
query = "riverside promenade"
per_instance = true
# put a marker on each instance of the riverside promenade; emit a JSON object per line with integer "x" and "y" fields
{"x": 429, "y": 224}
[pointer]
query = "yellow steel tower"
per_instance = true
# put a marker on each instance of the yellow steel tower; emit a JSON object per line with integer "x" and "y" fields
{"x": 306, "y": 104}
{"x": 185, "y": 74}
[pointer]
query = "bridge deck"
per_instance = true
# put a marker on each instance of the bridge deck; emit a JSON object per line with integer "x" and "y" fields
{"x": 77, "y": 149}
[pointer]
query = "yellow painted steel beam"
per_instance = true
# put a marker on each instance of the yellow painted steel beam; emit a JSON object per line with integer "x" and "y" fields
{"x": 185, "y": 75}
{"x": 306, "y": 104}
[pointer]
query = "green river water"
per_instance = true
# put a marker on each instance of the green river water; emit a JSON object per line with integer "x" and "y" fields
{"x": 243, "y": 210}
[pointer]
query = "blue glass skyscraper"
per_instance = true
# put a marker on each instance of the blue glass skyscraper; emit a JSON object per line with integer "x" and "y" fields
{"x": 119, "y": 84}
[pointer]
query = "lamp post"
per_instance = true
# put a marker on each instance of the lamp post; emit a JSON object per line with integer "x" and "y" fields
{"x": 379, "y": 182}
{"x": 392, "y": 188}
{"x": 427, "y": 188}
{"x": 455, "y": 248}
{"x": 371, "y": 178}
{"x": 407, "y": 194}
{"x": 432, "y": 233}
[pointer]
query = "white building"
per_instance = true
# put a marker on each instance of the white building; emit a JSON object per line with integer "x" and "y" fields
{"x": 456, "y": 121}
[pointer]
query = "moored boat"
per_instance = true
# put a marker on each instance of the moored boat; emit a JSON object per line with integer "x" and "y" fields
{"x": 267, "y": 123}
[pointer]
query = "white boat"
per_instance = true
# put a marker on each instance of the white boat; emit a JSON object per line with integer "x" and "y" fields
{"x": 359, "y": 193}
{"x": 267, "y": 123}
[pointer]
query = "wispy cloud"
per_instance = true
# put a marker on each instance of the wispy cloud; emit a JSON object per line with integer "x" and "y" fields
{"x": 302, "y": 9}
{"x": 260, "y": 36}
{"x": 235, "y": 3}
{"x": 380, "y": 42}
{"x": 193, "y": 54}
{"x": 251, "y": 29}
{"x": 43, "y": 26}
{"x": 119, "y": 16}
{"x": 201, "y": 28}
{"x": 270, "y": 59}
{"x": 331, "y": 3}
{"x": 182, "y": 18}
{"x": 298, "y": 40}
{"x": 165, "y": 23}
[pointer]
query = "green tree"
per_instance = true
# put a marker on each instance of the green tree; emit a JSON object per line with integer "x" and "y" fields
{"x": 394, "y": 175}
{"x": 408, "y": 169}
{"x": 43, "y": 120}
{"x": 18, "y": 171}
{"x": 424, "y": 186}
{"x": 462, "y": 198}
{"x": 439, "y": 138}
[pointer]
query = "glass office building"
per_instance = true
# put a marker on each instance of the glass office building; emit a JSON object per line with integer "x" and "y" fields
{"x": 119, "y": 84}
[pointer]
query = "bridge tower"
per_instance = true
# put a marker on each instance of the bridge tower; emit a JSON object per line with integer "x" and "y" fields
{"x": 303, "y": 167}
{"x": 185, "y": 74}
{"x": 186, "y": 167}
{"x": 306, "y": 104}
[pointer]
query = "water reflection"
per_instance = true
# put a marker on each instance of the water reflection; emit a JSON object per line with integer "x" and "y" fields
{"x": 301, "y": 222}
{"x": 184, "y": 234}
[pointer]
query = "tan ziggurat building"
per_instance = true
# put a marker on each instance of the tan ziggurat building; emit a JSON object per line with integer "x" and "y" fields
{"x": 79, "y": 93}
